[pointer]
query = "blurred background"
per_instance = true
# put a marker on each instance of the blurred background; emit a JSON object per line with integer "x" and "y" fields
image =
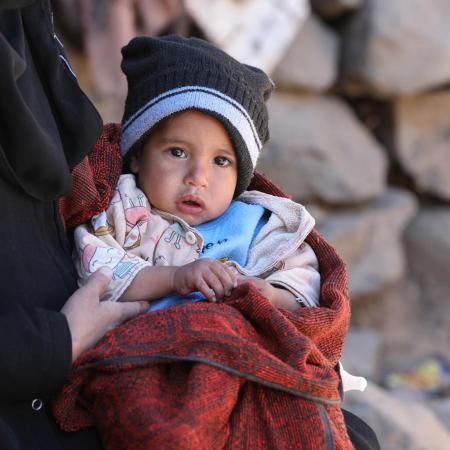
{"x": 360, "y": 133}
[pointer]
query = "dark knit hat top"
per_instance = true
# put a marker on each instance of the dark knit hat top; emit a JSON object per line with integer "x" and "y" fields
{"x": 170, "y": 74}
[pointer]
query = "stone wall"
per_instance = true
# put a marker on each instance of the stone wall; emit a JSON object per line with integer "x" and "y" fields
{"x": 360, "y": 133}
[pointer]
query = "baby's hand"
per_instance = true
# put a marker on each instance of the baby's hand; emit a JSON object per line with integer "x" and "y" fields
{"x": 264, "y": 287}
{"x": 280, "y": 298}
{"x": 209, "y": 276}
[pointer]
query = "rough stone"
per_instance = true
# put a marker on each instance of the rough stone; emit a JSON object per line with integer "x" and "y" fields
{"x": 311, "y": 61}
{"x": 427, "y": 242}
{"x": 442, "y": 408}
{"x": 361, "y": 355}
{"x": 331, "y": 9}
{"x": 397, "y": 47}
{"x": 398, "y": 303}
{"x": 319, "y": 150}
{"x": 398, "y": 423}
{"x": 422, "y": 141}
{"x": 252, "y": 31}
{"x": 369, "y": 239}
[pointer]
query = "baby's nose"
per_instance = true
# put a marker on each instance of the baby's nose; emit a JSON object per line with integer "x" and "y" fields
{"x": 197, "y": 175}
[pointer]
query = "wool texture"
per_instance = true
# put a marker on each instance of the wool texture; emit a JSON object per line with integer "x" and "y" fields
{"x": 235, "y": 375}
{"x": 94, "y": 180}
{"x": 170, "y": 74}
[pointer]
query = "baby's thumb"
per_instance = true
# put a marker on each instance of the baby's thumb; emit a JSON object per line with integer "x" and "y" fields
{"x": 99, "y": 281}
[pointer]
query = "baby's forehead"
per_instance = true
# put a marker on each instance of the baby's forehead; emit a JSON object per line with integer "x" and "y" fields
{"x": 183, "y": 116}
{"x": 193, "y": 126}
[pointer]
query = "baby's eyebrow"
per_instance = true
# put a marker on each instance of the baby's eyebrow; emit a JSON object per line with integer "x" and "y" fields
{"x": 179, "y": 140}
{"x": 227, "y": 152}
{"x": 173, "y": 140}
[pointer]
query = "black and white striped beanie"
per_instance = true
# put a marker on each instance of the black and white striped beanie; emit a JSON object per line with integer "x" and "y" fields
{"x": 170, "y": 74}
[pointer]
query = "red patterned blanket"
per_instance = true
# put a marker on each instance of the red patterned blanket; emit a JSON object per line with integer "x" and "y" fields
{"x": 236, "y": 375}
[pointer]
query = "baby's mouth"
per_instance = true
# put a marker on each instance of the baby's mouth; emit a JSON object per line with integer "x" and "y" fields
{"x": 190, "y": 204}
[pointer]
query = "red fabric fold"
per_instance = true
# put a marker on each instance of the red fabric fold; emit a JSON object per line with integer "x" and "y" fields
{"x": 93, "y": 179}
{"x": 239, "y": 374}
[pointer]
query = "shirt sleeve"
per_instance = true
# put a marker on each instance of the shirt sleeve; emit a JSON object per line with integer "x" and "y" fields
{"x": 300, "y": 275}
{"x": 35, "y": 355}
{"x": 115, "y": 238}
{"x": 95, "y": 251}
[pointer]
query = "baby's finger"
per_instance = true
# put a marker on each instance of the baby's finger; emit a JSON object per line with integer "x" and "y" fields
{"x": 226, "y": 278}
{"x": 204, "y": 288}
{"x": 241, "y": 279}
{"x": 233, "y": 276}
{"x": 215, "y": 283}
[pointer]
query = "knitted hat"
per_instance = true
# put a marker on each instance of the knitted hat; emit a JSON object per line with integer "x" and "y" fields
{"x": 170, "y": 74}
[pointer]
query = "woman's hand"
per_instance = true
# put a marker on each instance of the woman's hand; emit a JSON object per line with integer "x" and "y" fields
{"x": 89, "y": 319}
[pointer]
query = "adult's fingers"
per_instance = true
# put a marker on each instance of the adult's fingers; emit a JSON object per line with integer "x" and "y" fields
{"x": 97, "y": 283}
{"x": 89, "y": 318}
{"x": 128, "y": 310}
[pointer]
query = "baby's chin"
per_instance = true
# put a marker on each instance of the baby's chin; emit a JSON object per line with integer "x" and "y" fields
{"x": 194, "y": 220}
{"x": 193, "y": 217}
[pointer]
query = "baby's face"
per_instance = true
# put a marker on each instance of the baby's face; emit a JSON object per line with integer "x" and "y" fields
{"x": 188, "y": 167}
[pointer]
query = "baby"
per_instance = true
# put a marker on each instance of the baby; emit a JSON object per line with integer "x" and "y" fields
{"x": 181, "y": 227}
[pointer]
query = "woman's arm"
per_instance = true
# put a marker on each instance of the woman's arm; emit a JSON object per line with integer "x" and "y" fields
{"x": 38, "y": 346}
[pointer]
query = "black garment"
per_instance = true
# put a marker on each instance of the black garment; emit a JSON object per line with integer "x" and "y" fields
{"x": 361, "y": 435}
{"x": 47, "y": 123}
{"x": 46, "y": 126}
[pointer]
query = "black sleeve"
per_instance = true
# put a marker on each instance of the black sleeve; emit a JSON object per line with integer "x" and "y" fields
{"x": 362, "y": 436}
{"x": 14, "y": 4}
{"x": 35, "y": 353}
{"x": 46, "y": 126}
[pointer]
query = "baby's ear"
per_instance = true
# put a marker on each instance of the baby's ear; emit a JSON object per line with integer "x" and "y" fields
{"x": 134, "y": 164}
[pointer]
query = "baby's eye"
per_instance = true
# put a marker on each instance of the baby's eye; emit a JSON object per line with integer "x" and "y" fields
{"x": 177, "y": 152}
{"x": 222, "y": 161}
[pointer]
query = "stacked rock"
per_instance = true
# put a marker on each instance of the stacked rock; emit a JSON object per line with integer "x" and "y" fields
{"x": 360, "y": 133}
